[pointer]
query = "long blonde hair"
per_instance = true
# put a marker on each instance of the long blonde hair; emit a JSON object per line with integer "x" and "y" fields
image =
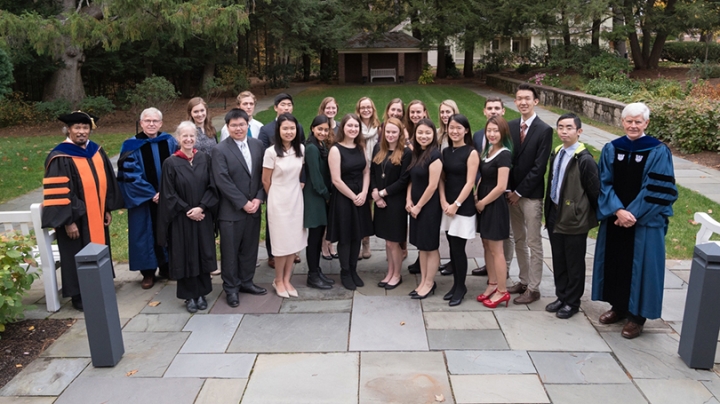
{"x": 442, "y": 128}
{"x": 374, "y": 121}
{"x": 397, "y": 154}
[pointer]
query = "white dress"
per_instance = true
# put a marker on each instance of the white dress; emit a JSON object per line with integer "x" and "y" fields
{"x": 285, "y": 202}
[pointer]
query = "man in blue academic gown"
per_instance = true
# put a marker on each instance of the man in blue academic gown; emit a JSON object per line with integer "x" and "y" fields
{"x": 139, "y": 176}
{"x": 637, "y": 190}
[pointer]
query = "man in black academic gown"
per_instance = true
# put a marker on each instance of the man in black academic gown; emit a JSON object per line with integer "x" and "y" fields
{"x": 79, "y": 192}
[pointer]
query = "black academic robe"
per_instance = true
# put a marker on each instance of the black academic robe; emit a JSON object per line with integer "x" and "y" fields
{"x": 79, "y": 187}
{"x": 191, "y": 244}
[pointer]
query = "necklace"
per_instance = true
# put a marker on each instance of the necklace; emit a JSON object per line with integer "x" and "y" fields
{"x": 384, "y": 164}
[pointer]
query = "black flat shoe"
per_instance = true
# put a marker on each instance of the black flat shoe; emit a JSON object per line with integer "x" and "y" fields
{"x": 391, "y": 287}
{"x": 202, "y": 303}
{"x": 327, "y": 257}
{"x": 191, "y": 305}
{"x": 382, "y": 284}
{"x": 335, "y": 255}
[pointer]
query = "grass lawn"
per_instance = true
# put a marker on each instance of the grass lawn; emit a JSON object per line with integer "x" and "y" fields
{"x": 22, "y": 160}
{"x": 680, "y": 238}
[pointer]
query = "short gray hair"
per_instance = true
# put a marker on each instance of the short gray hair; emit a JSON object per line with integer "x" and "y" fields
{"x": 636, "y": 109}
{"x": 185, "y": 125}
{"x": 150, "y": 110}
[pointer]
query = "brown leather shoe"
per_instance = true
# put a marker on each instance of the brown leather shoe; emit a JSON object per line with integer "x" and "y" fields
{"x": 631, "y": 330}
{"x": 148, "y": 282}
{"x": 517, "y": 288}
{"x": 271, "y": 262}
{"x": 610, "y": 317}
{"x": 527, "y": 297}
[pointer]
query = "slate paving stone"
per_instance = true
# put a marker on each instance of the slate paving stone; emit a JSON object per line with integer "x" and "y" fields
{"x": 72, "y": 344}
{"x": 437, "y": 304}
{"x": 713, "y": 386}
{"x": 131, "y": 299}
{"x": 249, "y": 304}
{"x": 673, "y": 305}
{"x": 478, "y": 320}
{"x": 158, "y": 322}
{"x": 578, "y": 368}
{"x": 489, "y": 362}
{"x": 168, "y": 302}
{"x": 306, "y": 378}
{"x": 135, "y": 390}
{"x": 211, "y": 333}
{"x": 316, "y": 306}
{"x": 27, "y": 400}
{"x": 542, "y": 331}
{"x": 403, "y": 377}
{"x": 498, "y": 389}
{"x": 682, "y": 274}
{"x": 148, "y": 353}
{"x": 675, "y": 391}
{"x": 45, "y": 377}
{"x": 466, "y": 339}
{"x": 652, "y": 356}
{"x": 221, "y": 391}
{"x": 304, "y": 332}
{"x": 227, "y": 366}
{"x": 387, "y": 323}
{"x": 672, "y": 281}
{"x": 594, "y": 394}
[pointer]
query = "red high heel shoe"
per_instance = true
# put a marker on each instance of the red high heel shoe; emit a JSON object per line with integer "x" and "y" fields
{"x": 484, "y": 297}
{"x": 493, "y": 304}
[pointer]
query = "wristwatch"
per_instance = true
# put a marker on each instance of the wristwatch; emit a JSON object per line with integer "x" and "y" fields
{"x": 458, "y": 204}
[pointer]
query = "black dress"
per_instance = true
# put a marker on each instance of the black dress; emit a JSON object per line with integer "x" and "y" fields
{"x": 347, "y": 222}
{"x": 494, "y": 220}
{"x": 191, "y": 244}
{"x": 425, "y": 230}
{"x": 455, "y": 161}
{"x": 390, "y": 222}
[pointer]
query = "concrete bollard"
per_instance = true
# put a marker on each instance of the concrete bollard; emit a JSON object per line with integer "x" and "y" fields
{"x": 102, "y": 319}
{"x": 701, "y": 323}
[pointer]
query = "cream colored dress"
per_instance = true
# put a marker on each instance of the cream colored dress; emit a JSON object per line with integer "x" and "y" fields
{"x": 285, "y": 202}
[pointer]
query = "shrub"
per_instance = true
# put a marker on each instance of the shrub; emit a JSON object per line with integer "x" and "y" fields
{"x": 523, "y": 68}
{"x": 427, "y": 75}
{"x": 606, "y": 66}
{"x": 497, "y": 60}
{"x": 620, "y": 90}
{"x": 705, "y": 90}
{"x": 690, "y": 125}
{"x": 50, "y": 110}
{"x": 536, "y": 55}
{"x": 14, "y": 110}
{"x": 704, "y": 70}
{"x": 233, "y": 78}
{"x": 280, "y": 75}
{"x": 572, "y": 58}
{"x": 6, "y": 75}
{"x": 154, "y": 91}
{"x": 97, "y": 105}
{"x": 688, "y": 52}
{"x": 15, "y": 255}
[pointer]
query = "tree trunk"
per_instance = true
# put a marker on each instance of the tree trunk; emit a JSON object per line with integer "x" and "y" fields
{"x": 207, "y": 76}
{"x": 66, "y": 83}
{"x": 441, "y": 68}
{"x": 654, "y": 58}
{"x": 618, "y": 21}
{"x": 306, "y": 67}
{"x": 468, "y": 64}
{"x": 595, "y": 42}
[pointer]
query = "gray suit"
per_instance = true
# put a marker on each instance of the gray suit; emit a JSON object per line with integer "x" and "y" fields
{"x": 239, "y": 231}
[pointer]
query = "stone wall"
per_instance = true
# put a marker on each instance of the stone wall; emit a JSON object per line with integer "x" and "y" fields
{"x": 598, "y": 108}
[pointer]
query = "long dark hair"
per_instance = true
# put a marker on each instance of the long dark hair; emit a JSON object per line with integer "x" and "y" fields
{"x": 462, "y": 120}
{"x": 359, "y": 140}
{"x": 505, "y": 138}
{"x": 322, "y": 146}
{"x": 420, "y": 156}
{"x": 278, "y": 139}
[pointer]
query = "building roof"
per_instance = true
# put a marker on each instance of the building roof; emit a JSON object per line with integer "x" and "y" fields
{"x": 371, "y": 40}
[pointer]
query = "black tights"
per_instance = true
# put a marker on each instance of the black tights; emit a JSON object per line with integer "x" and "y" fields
{"x": 314, "y": 247}
{"x": 459, "y": 262}
{"x": 348, "y": 254}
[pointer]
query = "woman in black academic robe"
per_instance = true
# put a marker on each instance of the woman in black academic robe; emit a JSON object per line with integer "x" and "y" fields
{"x": 185, "y": 220}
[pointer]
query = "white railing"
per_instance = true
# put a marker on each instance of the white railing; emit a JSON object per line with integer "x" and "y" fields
{"x": 48, "y": 253}
{"x": 383, "y": 73}
{"x": 708, "y": 226}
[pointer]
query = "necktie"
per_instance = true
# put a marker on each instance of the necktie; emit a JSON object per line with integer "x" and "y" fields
{"x": 556, "y": 178}
{"x": 523, "y": 132}
{"x": 246, "y": 154}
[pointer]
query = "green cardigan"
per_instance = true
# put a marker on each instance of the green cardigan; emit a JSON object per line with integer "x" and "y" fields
{"x": 316, "y": 192}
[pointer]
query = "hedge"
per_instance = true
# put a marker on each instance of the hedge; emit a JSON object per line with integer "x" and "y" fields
{"x": 688, "y": 52}
{"x": 692, "y": 125}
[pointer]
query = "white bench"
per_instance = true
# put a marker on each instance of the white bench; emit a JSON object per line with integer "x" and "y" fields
{"x": 48, "y": 252}
{"x": 708, "y": 226}
{"x": 383, "y": 73}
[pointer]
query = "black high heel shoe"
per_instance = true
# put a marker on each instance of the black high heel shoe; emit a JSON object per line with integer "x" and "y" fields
{"x": 432, "y": 291}
{"x": 449, "y": 294}
{"x": 413, "y": 293}
{"x": 455, "y": 301}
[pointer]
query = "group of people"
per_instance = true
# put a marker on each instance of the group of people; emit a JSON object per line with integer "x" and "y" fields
{"x": 363, "y": 176}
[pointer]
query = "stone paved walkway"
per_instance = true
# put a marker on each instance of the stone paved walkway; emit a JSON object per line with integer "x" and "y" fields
{"x": 369, "y": 346}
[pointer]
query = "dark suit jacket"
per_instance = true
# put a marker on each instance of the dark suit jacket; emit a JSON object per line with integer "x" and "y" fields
{"x": 267, "y": 133}
{"x": 233, "y": 180}
{"x": 527, "y": 175}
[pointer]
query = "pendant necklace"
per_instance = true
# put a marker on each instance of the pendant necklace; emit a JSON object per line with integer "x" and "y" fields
{"x": 384, "y": 163}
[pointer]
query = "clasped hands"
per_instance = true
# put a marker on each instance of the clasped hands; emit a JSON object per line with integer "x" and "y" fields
{"x": 196, "y": 214}
{"x": 252, "y": 206}
{"x": 412, "y": 209}
{"x": 624, "y": 218}
{"x": 379, "y": 201}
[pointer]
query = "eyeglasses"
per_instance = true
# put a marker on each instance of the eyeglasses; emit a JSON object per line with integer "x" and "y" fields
{"x": 237, "y": 126}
